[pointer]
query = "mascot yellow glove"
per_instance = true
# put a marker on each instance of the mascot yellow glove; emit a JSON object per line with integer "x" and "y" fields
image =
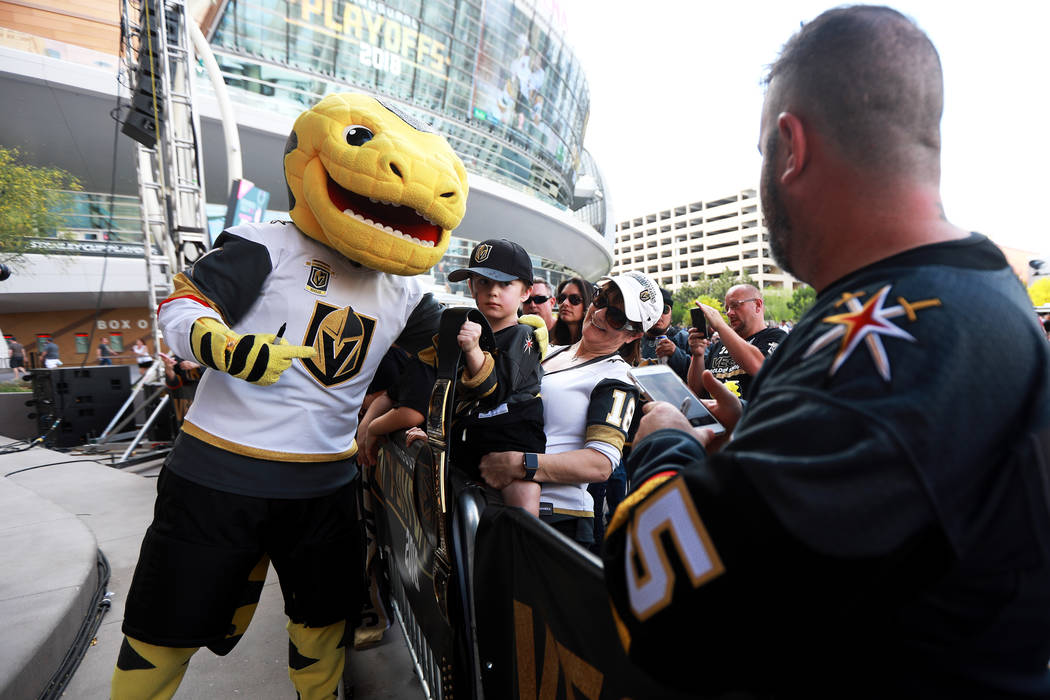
{"x": 255, "y": 358}
{"x": 540, "y": 331}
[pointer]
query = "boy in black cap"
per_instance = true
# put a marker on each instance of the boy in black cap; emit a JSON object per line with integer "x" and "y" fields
{"x": 499, "y": 407}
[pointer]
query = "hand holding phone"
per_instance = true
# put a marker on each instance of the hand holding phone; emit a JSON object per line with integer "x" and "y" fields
{"x": 698, "y": 319}
{"x": 660, "y": 383}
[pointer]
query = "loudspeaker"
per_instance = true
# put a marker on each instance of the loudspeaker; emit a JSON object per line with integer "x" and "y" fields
{"x": 84, "y": 399}
{"x": 140, "y": 121}
{"x": 141, "y": 127}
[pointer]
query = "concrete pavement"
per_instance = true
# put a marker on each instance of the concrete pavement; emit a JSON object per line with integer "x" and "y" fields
{"x": 53, "y": 519}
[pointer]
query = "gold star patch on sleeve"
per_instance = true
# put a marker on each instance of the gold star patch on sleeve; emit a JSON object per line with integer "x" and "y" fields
{"x": 867, "y": 323}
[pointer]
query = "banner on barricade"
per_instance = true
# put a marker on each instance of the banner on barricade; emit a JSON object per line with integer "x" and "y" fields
{"x": 406, "y": 523}
{"x": 544, "y": 626}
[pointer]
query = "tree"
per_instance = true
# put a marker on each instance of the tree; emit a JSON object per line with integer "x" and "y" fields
{"x": 682, "y": 301}
{"x": 801, "y": 299}
{"x": 1039, "y": 291}
{"x": 777, "y": 307}
{"x": 30, "y": 203}
{"x": 713, "y": 287}
{"x": 727, "y": 279}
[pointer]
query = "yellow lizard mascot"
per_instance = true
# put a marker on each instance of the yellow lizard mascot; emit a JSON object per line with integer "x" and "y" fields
{"x": 292, "y": 319}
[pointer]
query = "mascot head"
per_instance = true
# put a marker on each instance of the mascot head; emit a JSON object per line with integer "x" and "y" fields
{"x": 374, "y": 184}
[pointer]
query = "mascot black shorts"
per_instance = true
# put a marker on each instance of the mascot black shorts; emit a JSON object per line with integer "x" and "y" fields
{"x": 196, "y": 556}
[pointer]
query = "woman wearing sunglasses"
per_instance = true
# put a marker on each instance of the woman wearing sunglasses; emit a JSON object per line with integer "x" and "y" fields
{"x": 588, "y": 406}
{"x": 574, "y": 297}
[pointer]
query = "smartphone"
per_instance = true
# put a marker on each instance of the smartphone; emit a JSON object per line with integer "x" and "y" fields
{"x": 660, "y": 383}
{"x": 698, "y": 319}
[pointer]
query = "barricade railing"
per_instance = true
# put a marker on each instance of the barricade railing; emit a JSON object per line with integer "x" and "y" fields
{"x": 493, "y": 602}
{"x": 518, "y": 611}
{"x": 429, "y": 591}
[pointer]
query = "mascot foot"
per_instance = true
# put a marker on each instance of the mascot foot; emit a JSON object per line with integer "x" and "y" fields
{"x": 316, "y": 656}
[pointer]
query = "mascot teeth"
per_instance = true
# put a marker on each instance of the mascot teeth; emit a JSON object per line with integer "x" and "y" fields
{"x": 388, "y": 229}
{"x": 373, "y": 200}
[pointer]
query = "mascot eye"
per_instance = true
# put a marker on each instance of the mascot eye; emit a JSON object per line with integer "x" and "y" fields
{"x": 357, "y": 135}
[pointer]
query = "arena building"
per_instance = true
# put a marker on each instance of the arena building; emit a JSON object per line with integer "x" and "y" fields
{"x": 496, "y": 78}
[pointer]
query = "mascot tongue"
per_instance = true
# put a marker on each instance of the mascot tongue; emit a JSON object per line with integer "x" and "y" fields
{"x": 402, "y": 218}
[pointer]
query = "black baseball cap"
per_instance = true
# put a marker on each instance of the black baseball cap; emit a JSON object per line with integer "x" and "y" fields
{"x": 498, "y": 259}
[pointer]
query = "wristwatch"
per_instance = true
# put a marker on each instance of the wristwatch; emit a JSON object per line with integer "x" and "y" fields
{"x": 531, "y": 463}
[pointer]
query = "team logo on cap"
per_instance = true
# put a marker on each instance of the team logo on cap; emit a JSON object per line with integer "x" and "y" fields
{"x": 481, "y": 254}
{"x": 320, "y": 275}
{"x": 341, "y": 337}
{"x": 648, "y": 290}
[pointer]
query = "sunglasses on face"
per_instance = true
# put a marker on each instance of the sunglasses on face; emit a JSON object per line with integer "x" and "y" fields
{"x": 614, "y": 316}
{"x": 537, "y": 299}
{"x": 574, "y": 299}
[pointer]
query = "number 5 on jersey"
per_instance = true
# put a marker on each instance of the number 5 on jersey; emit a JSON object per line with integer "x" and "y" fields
{"x": 649, "y": 575}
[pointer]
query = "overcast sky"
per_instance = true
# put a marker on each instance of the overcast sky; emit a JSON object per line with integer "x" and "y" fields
{"x": 676, "y": 95}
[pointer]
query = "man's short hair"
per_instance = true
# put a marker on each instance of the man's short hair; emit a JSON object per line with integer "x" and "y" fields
{"x": 872, "y": 81}
{"x": 749, "y": 289}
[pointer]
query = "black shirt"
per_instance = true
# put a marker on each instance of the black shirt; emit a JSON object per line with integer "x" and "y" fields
{"x": 725, "y": 367}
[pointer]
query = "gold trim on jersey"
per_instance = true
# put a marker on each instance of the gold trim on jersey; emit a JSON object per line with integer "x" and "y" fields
{"x": 184, "y": 286}
{"x": 259, "y": 453}
{"x": 621, "y": 514}
{"x": 487, "y": 367}
{"x": 428, "y": 356}
{"x": 603, "y": 433}
{"x": 621, "y": 629}
{"x": 574, "y": 513}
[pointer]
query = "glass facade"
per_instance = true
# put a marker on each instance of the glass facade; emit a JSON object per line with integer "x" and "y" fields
{"x": 92, "y": 216}
{"x": 493, "y": 76}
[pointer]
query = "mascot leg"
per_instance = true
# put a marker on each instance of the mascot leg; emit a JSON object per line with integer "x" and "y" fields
{"x": 315, "y": 659}
{"x": 148, "y": 672}
{"x": 246, "y": 606}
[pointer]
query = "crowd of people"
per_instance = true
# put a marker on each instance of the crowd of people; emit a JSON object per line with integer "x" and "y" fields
{"x": 563, "y": 422}
{"x": 863, "y": 527}
{"x": 544, "y": 427}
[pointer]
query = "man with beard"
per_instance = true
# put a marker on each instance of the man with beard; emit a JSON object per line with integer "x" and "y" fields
{"x": 879, "y": 525}
{"x": 664, "y": 343}
{"x": 743, "y": 344}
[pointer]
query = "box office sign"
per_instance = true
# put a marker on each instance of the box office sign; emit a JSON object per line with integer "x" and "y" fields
{"x": 122, "y": 324}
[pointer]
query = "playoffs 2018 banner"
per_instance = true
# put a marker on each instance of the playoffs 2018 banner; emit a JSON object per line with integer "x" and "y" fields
{"x": 544, "y": 626}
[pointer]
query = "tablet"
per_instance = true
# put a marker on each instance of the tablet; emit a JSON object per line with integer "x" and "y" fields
{"x": 661, "y": 383}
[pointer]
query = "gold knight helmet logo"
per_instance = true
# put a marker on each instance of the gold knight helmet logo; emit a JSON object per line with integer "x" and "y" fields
{"x": 482, "y": 253}
{"x": 320, "y": 274}
{"x": 341, "y": 338}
